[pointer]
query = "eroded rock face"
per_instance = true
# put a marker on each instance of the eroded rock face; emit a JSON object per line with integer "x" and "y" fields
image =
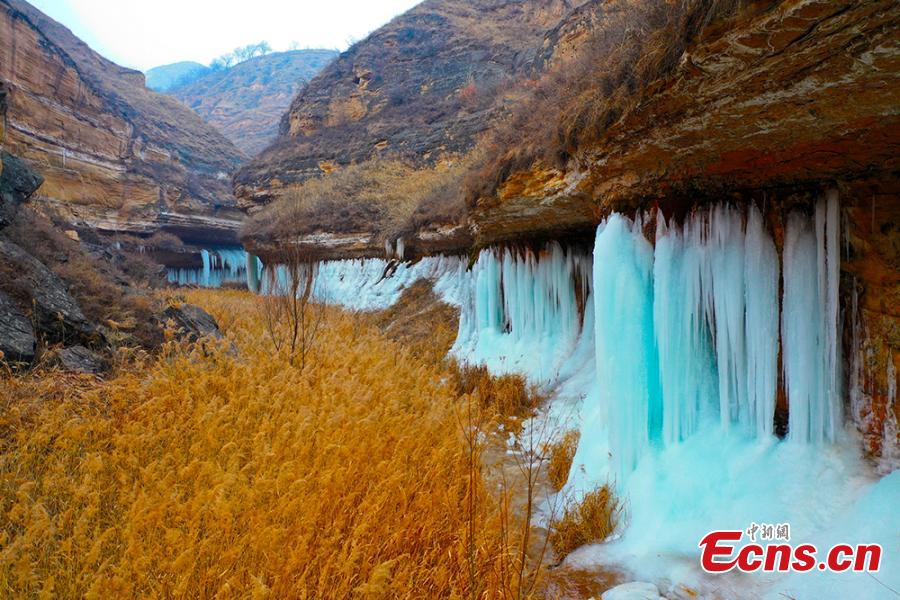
{"x": 78, "y": 359}
{"x": 192, "y": 322}
{"x": 804, "y": 93}
{"x": 115, "y": 156}
{"x": 17, "y": 182}
{"x": 871, "y": 295}
{"x": 56, "y": 314}
{"x": 18, "y": 342}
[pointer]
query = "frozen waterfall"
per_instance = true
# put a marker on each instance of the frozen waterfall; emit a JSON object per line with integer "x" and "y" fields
{"x": 678, "y": 354}
{"x": 526, "y": 311}
{"x": 220, "y": 266}
{"x": 688, "y": 333}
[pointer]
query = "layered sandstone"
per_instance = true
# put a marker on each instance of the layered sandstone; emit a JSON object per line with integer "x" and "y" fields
{"x": 114, "y": 155}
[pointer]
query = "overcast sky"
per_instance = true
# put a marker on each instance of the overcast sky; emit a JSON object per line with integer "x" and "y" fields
{"x": 147, "y": 33}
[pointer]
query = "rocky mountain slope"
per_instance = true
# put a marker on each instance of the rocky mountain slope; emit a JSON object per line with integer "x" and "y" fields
{"x": 246, "y": 102}
{"x": 420, "y": 89}
{"x": 115, "y": 156}
{"x": 166, "y": 77}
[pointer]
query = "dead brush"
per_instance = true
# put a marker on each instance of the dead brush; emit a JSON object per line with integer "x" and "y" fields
{"x": 562, "y": 453}
{"x": 508, "y": 398}
{"x": 588, "y": 520}
{"x": 201, "y": 473}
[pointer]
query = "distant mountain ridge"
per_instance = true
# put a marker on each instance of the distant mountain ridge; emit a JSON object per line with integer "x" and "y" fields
{"x": 246, "y": 102}
{"x": 166, "y": 77}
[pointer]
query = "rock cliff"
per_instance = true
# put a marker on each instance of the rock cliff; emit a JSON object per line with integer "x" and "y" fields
{"x": 114, "y": 155}
{"x": 420, "y": 88}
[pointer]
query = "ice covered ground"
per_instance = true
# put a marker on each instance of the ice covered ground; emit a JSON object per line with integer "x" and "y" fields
{"x": 665, "y": 357}
{"x": 686, "y": 345}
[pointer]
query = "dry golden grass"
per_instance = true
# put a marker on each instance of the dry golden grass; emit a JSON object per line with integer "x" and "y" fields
{"x": 209, "y": 472}
{"x": 506, "y": 399}
{"x": 420, "y": 321}
{"x": 589, "y": 520}
{"x": 562, "y": 453}
{"x": 378, "y": 196}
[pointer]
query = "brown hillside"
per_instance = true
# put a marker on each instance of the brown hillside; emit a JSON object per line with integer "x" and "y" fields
{"x": 418, "y": 89}
{"x": 247, "y": 101}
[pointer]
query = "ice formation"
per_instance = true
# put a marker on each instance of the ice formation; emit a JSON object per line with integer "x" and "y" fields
{"x": 809, "y": 323}
{"x": 673, "y": 350}
{"x": 524, "y": 311}
{"x": 373, "y": 284}
{"x": 696, "y": 450}
{"x": 220, "y": 265}
{"x": 688, "y": 333}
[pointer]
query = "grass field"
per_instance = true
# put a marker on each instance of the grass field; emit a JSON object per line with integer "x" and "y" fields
{"x": 221, "y": 470}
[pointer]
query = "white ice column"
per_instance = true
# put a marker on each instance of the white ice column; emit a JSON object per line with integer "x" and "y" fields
{"x": 810, "y": 345}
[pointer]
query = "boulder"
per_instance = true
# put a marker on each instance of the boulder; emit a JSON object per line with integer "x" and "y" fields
{"x": 17, "y": 182}
{"x": 78, "y": 359}
{"x": 635, "y": 590}
{"x": 57, "y": 316}
{"x": 18, "y": 342}
{"x": 192, "y": 322}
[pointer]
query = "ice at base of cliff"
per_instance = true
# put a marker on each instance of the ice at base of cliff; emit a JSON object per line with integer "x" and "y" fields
{"x": 681, "y": 424}
{"x": 220, "y": 266}
{"x": 375, "y": 284}
{"x": 665, "y": 358}
{"x": 828, "y": 494}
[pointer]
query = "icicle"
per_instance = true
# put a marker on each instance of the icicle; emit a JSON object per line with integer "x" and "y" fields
{"x": 207, "y": 266}
{"x": 809, "y": 323}
{"x": 761, "y": 289}
{"x": 627, "y": 365}
{"x": 725, "y": 309}
{"x": 254, "y": 269}
{"x": 219, "y": 265}
{"x": 522, "y": 313}
{"x": 685, "y": 359}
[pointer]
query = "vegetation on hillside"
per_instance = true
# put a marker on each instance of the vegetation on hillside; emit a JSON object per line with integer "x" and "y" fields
{"x": 378, "y": 196}
{"x": 246, "y": 100}
{"x": 627, "y": 47}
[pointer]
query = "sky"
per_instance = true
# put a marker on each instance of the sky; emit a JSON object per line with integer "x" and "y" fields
{"x": 147, "y": 33}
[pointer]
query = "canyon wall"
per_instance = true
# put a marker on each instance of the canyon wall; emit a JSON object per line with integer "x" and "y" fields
{"x": 421, "y": 88}
{"x": 245, "y": 102}
{"x": 775, "y": 104}
{"x": 115, "y": 156}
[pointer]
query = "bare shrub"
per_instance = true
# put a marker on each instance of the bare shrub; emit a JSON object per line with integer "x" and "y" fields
{"x": 562, "y": 453}
{"x": 589, "y": 520}
{"x": 291, "y": 318}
